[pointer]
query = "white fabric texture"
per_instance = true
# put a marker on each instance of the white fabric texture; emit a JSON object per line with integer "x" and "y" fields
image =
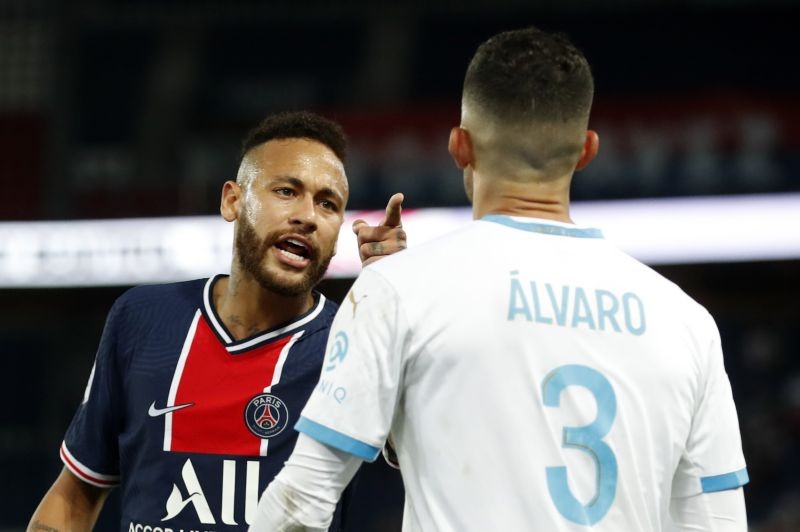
{"x": 720, "y": 511}
{"x": 529, "y": 372}
{"x": 303, "y": 496}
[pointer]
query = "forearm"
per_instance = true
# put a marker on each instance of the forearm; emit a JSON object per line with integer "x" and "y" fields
{"x": 721, "y": 511}
{"x": 69, "y": 505}
{"x": 303, "y": 496}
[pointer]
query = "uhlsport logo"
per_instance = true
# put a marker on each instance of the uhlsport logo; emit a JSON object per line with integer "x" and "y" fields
{"x": 266, "y": 415}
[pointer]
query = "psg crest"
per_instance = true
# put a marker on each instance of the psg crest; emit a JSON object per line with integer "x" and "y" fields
{"x": 266, "y": 415}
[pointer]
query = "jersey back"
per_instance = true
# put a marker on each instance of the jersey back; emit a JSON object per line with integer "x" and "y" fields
{"x": 533, "y": 377}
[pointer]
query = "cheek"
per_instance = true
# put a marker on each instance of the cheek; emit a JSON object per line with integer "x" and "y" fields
{"x": 253, "y": 208}
{"x": 332, "y": 235}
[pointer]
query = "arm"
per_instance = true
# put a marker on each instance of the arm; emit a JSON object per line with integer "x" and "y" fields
{"x": 707, "y": 492}
{"x": 384, "y": 239}
{"x": 719, "y": 511}
{"x": 303, "y": 496}
{"x": 70, "y": 504}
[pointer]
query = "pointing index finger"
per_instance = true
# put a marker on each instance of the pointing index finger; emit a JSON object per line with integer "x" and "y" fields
{"x": 393, "y": 210}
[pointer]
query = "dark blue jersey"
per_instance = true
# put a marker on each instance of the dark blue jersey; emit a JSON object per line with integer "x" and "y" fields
{"x": 189, "y": 423}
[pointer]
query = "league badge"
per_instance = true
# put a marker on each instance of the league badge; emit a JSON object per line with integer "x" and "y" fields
{"x": 266, "y": 415}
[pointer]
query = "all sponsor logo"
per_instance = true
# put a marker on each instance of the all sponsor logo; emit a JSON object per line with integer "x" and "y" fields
{"x": 195, "y": 502}
{"x": 266, "y": 415}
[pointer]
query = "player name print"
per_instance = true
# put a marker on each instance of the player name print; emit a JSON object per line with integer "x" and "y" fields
{"x": 575, "y": 306}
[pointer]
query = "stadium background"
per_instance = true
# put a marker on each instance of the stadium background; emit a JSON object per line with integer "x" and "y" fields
{"x": 135, "y": 108}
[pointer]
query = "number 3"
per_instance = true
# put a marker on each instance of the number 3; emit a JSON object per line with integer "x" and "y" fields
{"x": 588, "y": 439}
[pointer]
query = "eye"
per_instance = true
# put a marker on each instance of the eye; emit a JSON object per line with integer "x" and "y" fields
{"x": 284, "y": 191}
{"x": 329, "y": 205}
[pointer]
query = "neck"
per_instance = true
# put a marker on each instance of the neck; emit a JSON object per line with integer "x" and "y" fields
{"x": 548, "y": 200}
{"x": 246, "y": 308}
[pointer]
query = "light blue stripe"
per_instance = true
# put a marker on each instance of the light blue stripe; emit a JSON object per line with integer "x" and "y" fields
{"x": 336, "y": 439}
{"x": 547, "y": 229}
{"x": 728, "y": 481}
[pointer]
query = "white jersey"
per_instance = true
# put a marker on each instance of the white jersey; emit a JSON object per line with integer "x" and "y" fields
{"x": 533, "y": 377}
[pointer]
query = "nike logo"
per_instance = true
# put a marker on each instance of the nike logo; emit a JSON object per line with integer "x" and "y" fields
{"x": 155, "y": 412}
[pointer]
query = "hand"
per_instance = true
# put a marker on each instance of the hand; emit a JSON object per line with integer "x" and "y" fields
{"x": 384, "y": 239}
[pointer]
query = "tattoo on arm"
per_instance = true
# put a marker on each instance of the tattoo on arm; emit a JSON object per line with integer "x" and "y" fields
{"x": 40, "y": 527}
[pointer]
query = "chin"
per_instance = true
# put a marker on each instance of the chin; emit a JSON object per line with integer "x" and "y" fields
{"x": 284, "y": 285}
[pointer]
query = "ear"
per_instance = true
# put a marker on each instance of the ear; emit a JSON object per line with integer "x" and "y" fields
{"x": 590, "y": 147}
{"x": 230, "y": 203}
{"x": 460, "y": 147}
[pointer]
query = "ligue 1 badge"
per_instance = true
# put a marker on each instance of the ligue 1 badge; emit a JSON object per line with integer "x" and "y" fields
{"x": 266, "y": 415}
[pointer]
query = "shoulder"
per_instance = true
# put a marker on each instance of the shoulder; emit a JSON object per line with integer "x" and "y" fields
{"x": 670, "y": 292}
{"x": 327, "y": 312}
{"x": 320, "y": 317}
{"x": 668, "y": 300}
{"x": 160, "y": 298}
{"x": 435, "y": 254}
{"x": 155, "y": 292}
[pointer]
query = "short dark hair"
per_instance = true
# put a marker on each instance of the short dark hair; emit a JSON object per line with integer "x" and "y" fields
{"x": 298, "y": 125}
{"x": 530, "y": 74}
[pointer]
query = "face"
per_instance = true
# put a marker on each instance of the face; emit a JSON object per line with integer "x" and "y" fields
{"x": 288, "y": 203}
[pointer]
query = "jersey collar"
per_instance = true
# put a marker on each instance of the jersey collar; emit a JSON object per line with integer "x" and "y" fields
{"x": 235, "y": 346}
{"x": 546, "y": 227}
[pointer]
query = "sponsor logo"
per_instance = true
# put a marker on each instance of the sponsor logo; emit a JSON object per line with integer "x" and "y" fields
{"x": 155, "y": 412}
{"x": 142, "y": 527}
{"x": 339, "y": 347}
{"x": 266, "y": 415}
{"x": 195, "y": 499}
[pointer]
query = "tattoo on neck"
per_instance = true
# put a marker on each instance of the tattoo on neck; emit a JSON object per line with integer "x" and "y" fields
{"x": 236, "y": 320}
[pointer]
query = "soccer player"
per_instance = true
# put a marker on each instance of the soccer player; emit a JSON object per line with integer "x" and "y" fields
{"x": 196, "y": 385}
{"x": 532, "y": 375}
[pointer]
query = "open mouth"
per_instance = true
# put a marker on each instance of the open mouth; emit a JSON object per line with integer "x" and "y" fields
{"x": 294, "y": 250}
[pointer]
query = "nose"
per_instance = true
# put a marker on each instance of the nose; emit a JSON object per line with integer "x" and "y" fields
{"x": 304, "y": 214}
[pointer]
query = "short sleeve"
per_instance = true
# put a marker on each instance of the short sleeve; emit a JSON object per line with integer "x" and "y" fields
{"x": 90, "y": 447}
{"x": 712, "y": 459}
{"x": 352, "y": 406}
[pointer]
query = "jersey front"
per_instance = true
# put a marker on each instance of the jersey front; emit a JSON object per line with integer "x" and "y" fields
{"x": 191, "y": 424}
{"x": 533, "y": 377}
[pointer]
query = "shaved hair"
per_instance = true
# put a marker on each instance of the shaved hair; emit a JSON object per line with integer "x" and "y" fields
{"x": 526, "y": 101}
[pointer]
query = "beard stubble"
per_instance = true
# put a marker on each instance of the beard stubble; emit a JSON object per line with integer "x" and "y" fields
{"x": 251, "y": 251}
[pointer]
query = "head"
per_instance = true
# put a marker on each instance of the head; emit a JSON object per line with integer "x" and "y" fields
{"x": 525, "y": 110}
{"x": 288, "y": 201}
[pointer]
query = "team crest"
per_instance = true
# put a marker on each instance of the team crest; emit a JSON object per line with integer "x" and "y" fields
{"x": 266, "y": 415}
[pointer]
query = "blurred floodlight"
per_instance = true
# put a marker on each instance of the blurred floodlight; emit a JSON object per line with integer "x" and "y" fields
{"x": 154, "y": 250}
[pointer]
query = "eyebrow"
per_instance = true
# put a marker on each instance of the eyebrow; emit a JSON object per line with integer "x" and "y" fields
{"x": 326, "y": 191}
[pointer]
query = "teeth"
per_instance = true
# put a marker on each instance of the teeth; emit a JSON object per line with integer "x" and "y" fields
{"x": 296, "y": 242}
{"x": 291, "y": 255}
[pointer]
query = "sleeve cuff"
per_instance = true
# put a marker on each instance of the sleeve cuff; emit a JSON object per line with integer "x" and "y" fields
{"x": 727, "y": 481}
{"x": 337, "y": 440}
{"x": 84, "y": 473}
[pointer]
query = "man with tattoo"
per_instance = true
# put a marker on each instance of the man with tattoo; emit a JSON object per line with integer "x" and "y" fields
{"x": 196, "y": 386}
